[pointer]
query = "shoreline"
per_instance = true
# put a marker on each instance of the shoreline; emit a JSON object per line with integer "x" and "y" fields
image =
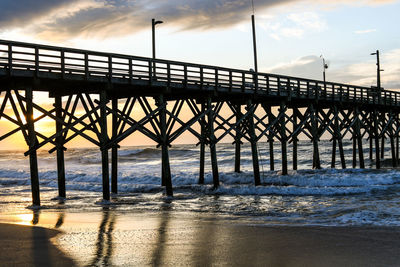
{"x": 171, "y": 239}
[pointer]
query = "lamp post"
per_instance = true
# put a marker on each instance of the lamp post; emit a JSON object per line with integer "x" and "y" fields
{"x": 379, "y": 90}
{"x": 253, "y": 23}
{"x": 378, "y": 71}
{"x": 254, "y": 44}
{"x": 324, "y": 67}
{"x": 153, "y": 30}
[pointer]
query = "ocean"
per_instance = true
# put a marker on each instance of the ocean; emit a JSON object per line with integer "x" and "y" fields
{"x": 326, "y": 197}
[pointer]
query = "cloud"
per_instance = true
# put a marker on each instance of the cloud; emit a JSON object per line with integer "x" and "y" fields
{"x": 293, "y": 25}
{"x": 365, "y": 31}
{"x": 17, "y": 13}
{"x": 305, "y": 67}
{"x": 309, "y": 20}
{"x": 64, "y": 19}
{"x": 363, "y": 74}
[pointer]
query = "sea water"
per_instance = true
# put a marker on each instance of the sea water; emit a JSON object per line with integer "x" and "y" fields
{"x": 326, "y": 197}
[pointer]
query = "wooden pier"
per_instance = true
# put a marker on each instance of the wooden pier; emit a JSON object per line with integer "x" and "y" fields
{"x": 223, "y": 102}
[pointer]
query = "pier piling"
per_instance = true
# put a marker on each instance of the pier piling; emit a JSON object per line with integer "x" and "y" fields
{"x": 60, "y": 148}
{"x": 238, "y": 138}
{"x": 32, "y": 146}
{"x": 103, "y": 142}
{"x": 212, "y": 141}
{"x": 114, "y": 148}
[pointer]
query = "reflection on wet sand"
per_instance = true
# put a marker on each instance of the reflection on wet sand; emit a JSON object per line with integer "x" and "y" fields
{"x": 104, "y": 243}
{"x": 159, "y": 249}
{"x": 60, "y": 220}
{"x": 35, "y": 218}
{"x": 43, "y": 252}
{"x": 169, "y": 238}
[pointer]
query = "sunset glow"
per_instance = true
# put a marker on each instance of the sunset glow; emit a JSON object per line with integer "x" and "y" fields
{"x": 291, "y": 37}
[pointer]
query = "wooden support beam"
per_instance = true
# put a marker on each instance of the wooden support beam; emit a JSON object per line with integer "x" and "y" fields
{"x": 333, "y": 162}
{"x": 295, "y": 139}
{"x": 103, "y": 144}
{"x": 397, "y": 149}
{"x": 334, "y": 140}
{"x": 270, "y": 138}
{"x": 126, "y": 111}
{"x": 60, "y": 150}
{"x": 315, "y": 137}
{"x": 186, "y": 126}
{"x": 114, "y": 148}
{"x": 282, "y": 110}
{"x": 392, "y": 144}
{"x": 90, "y": 115}
{"x": 359, "y": 137}
{"x": 367, "y": 119}
{"x": 397, "y": 138}
{"x": 32, "y": 141}
{"x": 253, "y": 142}
{"x": 166, "y": 170}
{"x": 238, "y": 138}
{"x": 326, "y": 122}
{"x": 212, "y": 140}
{"x": 354, "y": 150}
{"x": 376, "y": 136}
{"x": 134, "y": 125}
{"x": 3, "y": 104}
{"x": 68, "y": 125}
{"x": 173, "y": 116}
{"x": 383, "y": 121}
{"x": 18, "y": 116}
{"x": 370, "y": 136}
{"x": 337, "y": 136}
{"x": 340, "y": 142}
{"x": 393, "y": 150}
{"x": 203, "y": 139}
{"x": 303, "y": 126}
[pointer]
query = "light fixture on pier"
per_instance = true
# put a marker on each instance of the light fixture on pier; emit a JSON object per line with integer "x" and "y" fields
{"x": 324, "y": 67}
{"x": 153, "y": 28}
{"x": 378, "y": 70}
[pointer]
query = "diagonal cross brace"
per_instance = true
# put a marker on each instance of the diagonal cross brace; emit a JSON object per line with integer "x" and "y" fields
{"x": 270, "y": 126}
{"x": 187, "y": 126}
{"x": 134, "y": 126}
{"x": 67, "y": 127}
{"x": 234, "y": 126}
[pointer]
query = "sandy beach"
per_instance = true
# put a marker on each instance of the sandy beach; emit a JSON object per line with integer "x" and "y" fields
{"x": 30, "y": 246}
{"x": 170, "y": 239}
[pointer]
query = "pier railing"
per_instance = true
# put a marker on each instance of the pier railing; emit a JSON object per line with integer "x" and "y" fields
{"x": 17, "y": 58}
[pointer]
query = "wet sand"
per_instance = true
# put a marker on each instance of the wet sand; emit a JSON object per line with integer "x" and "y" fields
{"x": 30, "y": 246}
{"x": 168, "y": 239}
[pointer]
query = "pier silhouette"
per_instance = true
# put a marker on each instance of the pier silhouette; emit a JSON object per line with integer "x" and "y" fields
{"x": 222, "y": 102}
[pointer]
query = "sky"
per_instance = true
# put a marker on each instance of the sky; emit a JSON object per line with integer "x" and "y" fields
{"x": 291, "y": 34}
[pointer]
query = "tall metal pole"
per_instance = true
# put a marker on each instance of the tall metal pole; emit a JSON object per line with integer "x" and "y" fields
{"x": 324, "y": 66}
{"x": 378, "y": 70}
{"x": 379, "y": 90}
{"x": 254, "y": 43}
{"x": 253, "y": 23}
{"x": 153, "y": 34}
